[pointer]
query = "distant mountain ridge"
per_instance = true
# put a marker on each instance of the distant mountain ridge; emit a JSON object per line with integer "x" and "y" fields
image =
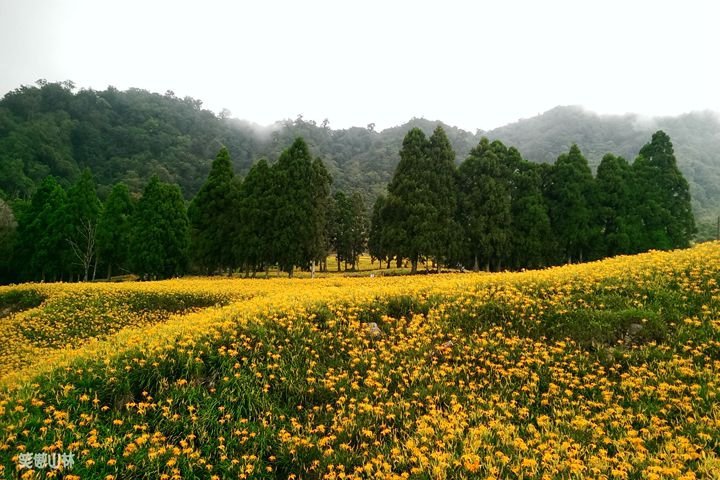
{"x": 695, "y": 137}
{"x": 130, "y": 135}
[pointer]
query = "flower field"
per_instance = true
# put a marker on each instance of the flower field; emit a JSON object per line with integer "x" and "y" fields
{"x": 602, "y": 370}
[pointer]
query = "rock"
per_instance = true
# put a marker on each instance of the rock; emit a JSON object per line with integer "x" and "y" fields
{"x": 632, "y": 333}
{"x": 374, "y": 331}
{"x": 634, "y": 329}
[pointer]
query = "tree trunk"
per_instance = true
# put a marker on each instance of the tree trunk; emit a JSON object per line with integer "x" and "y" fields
{"x": 399, "y": 261}
{"x": 95, "y": 268}
{"x": 476, "y": 265}
{"x": 312, "y": 269}
{"x": 414, "y": 264}
{"x": 109, "y": 271}
{"x": 339, "y": 267}
{"x": 487, "y": 265}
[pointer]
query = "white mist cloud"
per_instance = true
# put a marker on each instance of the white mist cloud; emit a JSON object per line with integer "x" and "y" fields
{"x": 471, "y": 64}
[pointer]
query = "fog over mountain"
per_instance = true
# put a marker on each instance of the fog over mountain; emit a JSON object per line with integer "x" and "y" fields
{"x": 129, "y": 135}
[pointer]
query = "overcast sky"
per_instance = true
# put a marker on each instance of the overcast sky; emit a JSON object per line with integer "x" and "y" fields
{"x": 474, "y": 64}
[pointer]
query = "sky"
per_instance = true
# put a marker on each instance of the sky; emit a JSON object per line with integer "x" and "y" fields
{"x": 473, "y": 64}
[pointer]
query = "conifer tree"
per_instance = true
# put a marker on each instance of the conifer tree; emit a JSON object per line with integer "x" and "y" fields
{"x": 359, "y": 228}
{"x": 531, "y": 236}
{"x": 617, "y": 206}
{"x": 321, "y": 202}
{"x": 485, "y": 205}
{"x": 113, "y": 234}
{"x": 8, "y": 228}
{"x": 253, "y": 238}
{"x": 570, "y": 198}
{"x": 377, "y": 244}
{"x": 213, "y": 215}
{"x": 299, "y": 195}
{"x": 341, "y": 221}
{"x": 160, "y": 232}
{"x": 412, "y": 215}
{"x": 42, "y": 241}
{"x": 443, "y": 190}
{"x": 665, "y": 206}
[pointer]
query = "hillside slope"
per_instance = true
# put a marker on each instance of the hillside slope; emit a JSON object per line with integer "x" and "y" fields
{"x": 127, "y": 136}
{"x": 607, "y": 369}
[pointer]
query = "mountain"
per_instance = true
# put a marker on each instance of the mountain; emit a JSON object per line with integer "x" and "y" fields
{"x": 51, "y": 128}
{"x": 695, "y": 137}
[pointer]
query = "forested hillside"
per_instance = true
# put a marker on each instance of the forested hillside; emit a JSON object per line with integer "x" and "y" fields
{"x": 51, "y": 129}
{"x": 696, "y": 139}
{"x": 130, "y": 135}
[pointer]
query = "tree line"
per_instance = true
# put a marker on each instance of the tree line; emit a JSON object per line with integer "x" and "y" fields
{"x": 493, "y": 211}
{"x": 497, "y": 210}
{"x": 278, "y": 215}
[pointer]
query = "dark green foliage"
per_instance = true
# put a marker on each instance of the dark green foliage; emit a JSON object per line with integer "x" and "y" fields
{"x": 531, "y": 234}
{"x": 8, "y": 228}
{"x": 82, "y": 213}
{"x": 320, "y": 194}
{"x": 299, "y": 202}
{"x": 422, "y": 200}
{"x": 444, "y": 195}
{"x": 485, "y": 205}
{"x": 253, "y": 235}
{"x": 159, "y": 234}
{"x": 377, "y": 243}
{"x": 409, "y": 198}
{"x": 20, "y": 299}
{"x": 113, "y": 235}
{"x": 213, "y": 215}
{"x": 340, "y": 228}
{"x": 696, "y": 137}
{"x": 130, "y": 135}
{"x": 571, "y": 194}
{"x": 618, "y": 207}
{"x": 42, "y": 250}
{"x": 664, "y": 200}
{"x": 349, "y": 228}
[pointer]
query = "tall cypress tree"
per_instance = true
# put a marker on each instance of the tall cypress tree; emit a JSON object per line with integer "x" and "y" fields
{"x": 300, "y": 195}
{"x": 666, "y": 209}
{"x": 113, "y": 235}
{"x": 412, "y": 218}
{"x": 617, "y": 206}
{"x": 160, "y": 232}
{"x": 213, "y": 214}
{"x": 42, "y": 241}
{"x": 321, "y": 202}
{"x": 341, "y": 221}
{"x": 253, "y": 234}
{"x": 443, "y": 190}
{"x": 531, "y": 237}
{"x": 485, "y": 204}
{"x": 570, "y": 198}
